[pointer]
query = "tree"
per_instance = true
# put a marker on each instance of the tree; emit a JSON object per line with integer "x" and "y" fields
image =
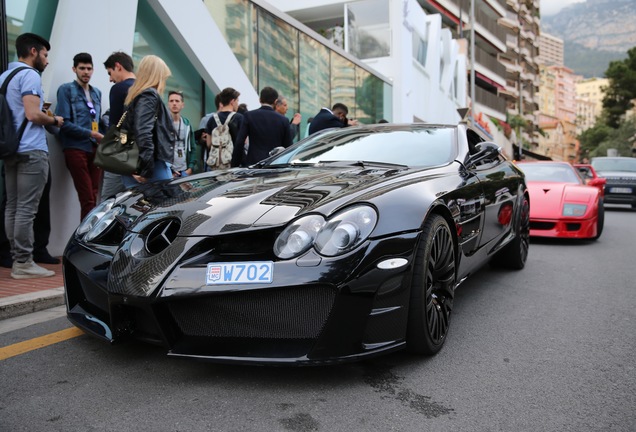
{"x": 591, "y": 138}
{"x": 600, "y": 138}
{"x": 622, "y": 88}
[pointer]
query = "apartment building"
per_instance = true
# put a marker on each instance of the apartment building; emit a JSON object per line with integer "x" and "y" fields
{"x": 506, "y": 48}
{"x": 550, "y": 50}
{"x": 558, "y": 118}
{"x": 589, "y": 101}
{"x": 520, "y": 59}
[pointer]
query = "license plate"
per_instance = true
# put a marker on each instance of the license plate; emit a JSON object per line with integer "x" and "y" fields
{"x": 256, "y": 272}
{"x": 620, "y": 190}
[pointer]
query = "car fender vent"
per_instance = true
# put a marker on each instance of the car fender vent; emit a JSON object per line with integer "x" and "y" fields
{"x": 161, "y": 235}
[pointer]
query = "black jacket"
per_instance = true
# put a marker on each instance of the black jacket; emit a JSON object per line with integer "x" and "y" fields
{"x": 324, "y": 120}
{"x": 153, "y": 129}
{"x": 266, "y": 130}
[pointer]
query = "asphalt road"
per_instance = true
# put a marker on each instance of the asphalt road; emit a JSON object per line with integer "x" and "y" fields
{"x": 549, "y": 348}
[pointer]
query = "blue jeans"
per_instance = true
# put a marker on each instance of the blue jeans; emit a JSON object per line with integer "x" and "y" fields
{"x": 25, "y": 176}
{"x": 162, "y": 171}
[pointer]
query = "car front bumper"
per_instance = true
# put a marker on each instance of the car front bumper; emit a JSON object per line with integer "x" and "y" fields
{"x": 317, "y": 310}
{"x": 620, "y": 192}
{"x": 563, "y": 228}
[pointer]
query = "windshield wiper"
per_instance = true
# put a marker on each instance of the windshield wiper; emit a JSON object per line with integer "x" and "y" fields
{"x": 282, "y": 165}
{"x": 364, "y": 164}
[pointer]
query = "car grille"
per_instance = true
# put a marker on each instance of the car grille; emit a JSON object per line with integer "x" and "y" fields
{"x": 621, "y": 180}
{"x": 290, "y": 313}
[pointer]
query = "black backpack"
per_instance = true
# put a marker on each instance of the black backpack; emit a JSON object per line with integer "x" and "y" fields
{"x": 9, "y": 137}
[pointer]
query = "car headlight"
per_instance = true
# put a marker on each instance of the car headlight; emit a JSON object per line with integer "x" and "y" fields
{"x": 346, "y": 230}
{"x": 298, "y": 237}
{"x": 343, "y": 232}
{"x": 103, "y": 223}
{"x": 94, "y": 216}
{"x": 574, "y": 209}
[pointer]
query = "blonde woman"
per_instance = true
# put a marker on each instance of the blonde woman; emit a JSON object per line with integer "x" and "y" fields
{"x": 151, "y": 123}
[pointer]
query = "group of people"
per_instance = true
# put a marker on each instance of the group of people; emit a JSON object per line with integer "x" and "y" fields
{"x": 169, "y": 146}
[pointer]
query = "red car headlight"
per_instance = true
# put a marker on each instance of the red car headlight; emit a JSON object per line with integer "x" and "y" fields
{"x": 574, "y": 209}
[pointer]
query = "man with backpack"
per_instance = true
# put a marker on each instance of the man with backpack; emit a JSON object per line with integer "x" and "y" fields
{"x": 81, "y": 106}
{"x": 222, "y": 130}
{"x": 27, "y": 170}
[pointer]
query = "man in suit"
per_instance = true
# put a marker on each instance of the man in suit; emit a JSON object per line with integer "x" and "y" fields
{"x": 265, "y": 128}
{"x": 294, "y": 124}
{"x": 336, "y": 117}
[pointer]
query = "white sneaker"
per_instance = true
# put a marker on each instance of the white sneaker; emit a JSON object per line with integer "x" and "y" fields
{"x": 29, "y": 270}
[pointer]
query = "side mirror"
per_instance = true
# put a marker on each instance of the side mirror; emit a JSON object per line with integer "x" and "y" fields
{"x": 599, "y": 181}
{"x": 485, "y": 152}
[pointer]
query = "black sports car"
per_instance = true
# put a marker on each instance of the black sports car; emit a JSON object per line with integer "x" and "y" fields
{"x": 348, "y": 244}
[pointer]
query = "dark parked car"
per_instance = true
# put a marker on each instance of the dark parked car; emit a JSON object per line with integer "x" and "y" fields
{"x": 346, "y": 245}
{"x": 620, "y": 174}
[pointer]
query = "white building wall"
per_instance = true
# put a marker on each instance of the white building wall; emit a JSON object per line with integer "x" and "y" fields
{"x": 423, "y": 93}
{"x": 67, "y": 39}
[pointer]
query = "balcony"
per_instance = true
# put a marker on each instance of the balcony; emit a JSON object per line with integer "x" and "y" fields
{"x": 490, "y": 100}
{"x": 512, "y": 42}
{"x": 490, "y": 62}
{"x": 511, "y": 24}
{"x": 510, "y": 92}
{"x": 485, "y": 21}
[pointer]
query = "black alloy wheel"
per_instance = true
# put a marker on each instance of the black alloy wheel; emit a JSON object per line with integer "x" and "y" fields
{"x": 432, "y": 288}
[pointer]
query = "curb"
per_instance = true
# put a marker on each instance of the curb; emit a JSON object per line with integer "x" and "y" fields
{"x": 23, "y": 304}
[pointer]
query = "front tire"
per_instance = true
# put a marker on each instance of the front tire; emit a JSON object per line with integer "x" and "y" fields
{"x": 600, "y": 219}
{"x": 432, "y": 288}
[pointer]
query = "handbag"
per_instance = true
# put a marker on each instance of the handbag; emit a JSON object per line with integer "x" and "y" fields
{"x": 118, "y": 152}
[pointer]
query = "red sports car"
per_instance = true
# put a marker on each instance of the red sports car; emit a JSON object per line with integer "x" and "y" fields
{"x": 561, "y": 204}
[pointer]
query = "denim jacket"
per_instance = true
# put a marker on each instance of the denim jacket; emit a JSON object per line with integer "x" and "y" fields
{"x": 72, "y": 105}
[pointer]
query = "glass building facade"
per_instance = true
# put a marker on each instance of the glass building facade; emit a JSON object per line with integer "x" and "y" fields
{"x": 274, "y": 53}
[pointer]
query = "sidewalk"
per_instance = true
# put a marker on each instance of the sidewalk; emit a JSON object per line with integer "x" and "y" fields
{"x": 23, "y": 296}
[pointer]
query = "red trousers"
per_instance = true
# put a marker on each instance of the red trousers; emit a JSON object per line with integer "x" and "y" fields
{"x": 86, "y": 177}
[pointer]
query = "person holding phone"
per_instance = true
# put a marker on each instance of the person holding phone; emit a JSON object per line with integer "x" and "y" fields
{"x": 27, "y": 171}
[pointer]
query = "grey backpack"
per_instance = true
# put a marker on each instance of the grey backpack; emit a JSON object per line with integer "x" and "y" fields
{"x": 220, "y": 155}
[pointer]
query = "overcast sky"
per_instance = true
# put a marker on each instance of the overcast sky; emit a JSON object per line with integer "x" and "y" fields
{"x": 550, "y": 7}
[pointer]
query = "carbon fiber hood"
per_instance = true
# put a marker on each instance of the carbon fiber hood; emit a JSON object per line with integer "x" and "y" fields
{"x": 242, "y": 199}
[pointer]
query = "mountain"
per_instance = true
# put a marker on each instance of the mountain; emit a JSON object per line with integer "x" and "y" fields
{"x": 594, "y": 32}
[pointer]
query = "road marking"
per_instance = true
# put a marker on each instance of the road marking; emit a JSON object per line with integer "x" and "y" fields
{"x": 39, "y": 342}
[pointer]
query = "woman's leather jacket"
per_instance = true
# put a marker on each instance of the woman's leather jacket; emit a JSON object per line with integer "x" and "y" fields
{"x": 154, "y": 133}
